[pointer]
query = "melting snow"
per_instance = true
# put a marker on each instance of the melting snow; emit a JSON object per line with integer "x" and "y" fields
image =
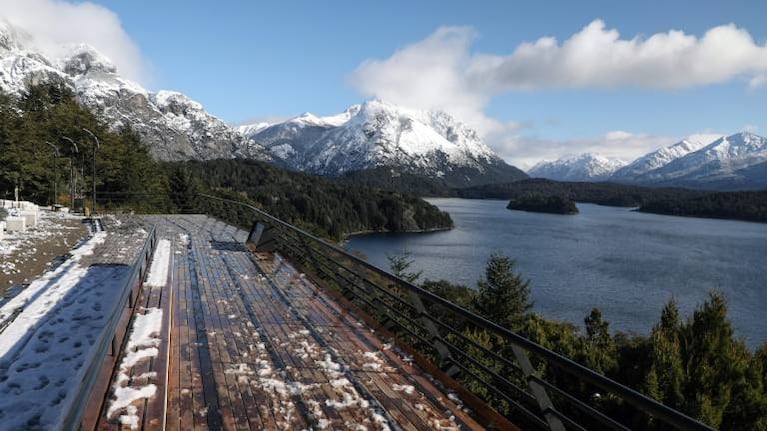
{"x": 142, "y": 345}
{"x": 158, "y": 272}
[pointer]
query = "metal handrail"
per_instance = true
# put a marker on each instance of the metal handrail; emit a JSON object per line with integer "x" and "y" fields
{"x": 644, "y": 403}
{"x": 75, "y": 412}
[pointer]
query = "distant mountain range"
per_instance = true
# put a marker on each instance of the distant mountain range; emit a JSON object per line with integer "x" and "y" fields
{"x": 387, "y": 144}
{"x": 583, "y": 167}
{"x": 175, "y": 127}
{"x": 734, "y": 162}
{"x": 377, "y": 135}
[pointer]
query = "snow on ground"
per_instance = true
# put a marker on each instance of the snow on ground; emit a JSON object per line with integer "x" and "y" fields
{"x": 158, "y": 272}
{"x": 18, "y": 247}
{"x": 45, "y": 349}
{"x": 142, "y": 345}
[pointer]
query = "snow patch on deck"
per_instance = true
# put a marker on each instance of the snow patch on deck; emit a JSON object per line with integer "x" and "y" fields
{"x": 158, "y": 272}
{"x": 142, "y": 345}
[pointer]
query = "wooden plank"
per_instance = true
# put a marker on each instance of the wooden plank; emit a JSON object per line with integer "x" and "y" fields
{"x": 225, "y": 306}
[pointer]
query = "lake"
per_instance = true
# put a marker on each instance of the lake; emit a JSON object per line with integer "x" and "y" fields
{"x": 629, "y": 264}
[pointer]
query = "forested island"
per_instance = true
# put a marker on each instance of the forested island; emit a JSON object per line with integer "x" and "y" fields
{"x": 535, "y": 202}
{"x": 749, "y": 206}
{"x": 42, "y": 135}
{"x": 610, "y": 194}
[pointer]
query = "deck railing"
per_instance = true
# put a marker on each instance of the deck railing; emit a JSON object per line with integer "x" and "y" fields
{"x": 535, "y": 387}
{"x": 532, "y": 385}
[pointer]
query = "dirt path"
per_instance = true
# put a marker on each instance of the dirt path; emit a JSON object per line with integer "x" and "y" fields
{"x": 24, "y": 257}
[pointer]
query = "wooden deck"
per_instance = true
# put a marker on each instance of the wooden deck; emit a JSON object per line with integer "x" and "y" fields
{"x": 247, "y": 342}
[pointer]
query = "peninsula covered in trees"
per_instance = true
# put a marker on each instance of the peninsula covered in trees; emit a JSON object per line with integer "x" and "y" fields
{"x": 535, "y": 202}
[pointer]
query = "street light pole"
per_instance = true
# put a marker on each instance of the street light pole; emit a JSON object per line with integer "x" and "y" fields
{"x": 94, "y": 165}
{"x": 55, "y": 171}
{"x": 72, "y": 174}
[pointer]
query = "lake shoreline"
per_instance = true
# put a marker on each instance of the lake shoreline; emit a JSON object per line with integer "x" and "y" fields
{"x": 626, "y": 262}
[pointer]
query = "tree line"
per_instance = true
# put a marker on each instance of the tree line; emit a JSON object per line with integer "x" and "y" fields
{"x": 324, "y": 207}
{"x": 750, "y": 206}
{"x": 694, "y": 364}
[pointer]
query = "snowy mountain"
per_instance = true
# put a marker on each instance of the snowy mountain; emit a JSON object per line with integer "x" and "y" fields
{"x": 657, "y": 159}
{"x": 726, "y": 159}
{"x": 173, "y": 126}
{"x": 583, "y": 167}
{"x": 377, "y": 134}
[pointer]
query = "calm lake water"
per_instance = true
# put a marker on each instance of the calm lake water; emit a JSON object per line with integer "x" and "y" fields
{"x": 629, "y": 264}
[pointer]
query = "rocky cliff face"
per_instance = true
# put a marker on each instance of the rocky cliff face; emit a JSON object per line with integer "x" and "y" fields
{"x": 174, "y": 126}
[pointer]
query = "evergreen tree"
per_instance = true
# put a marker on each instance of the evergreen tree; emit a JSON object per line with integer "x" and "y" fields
{"x": 400, "y": 264}
{"x": 183, "y": 189}
{"x": 666, "y": 375}
{"x": 503, "y": 296}
{"x": 599, "y": 351}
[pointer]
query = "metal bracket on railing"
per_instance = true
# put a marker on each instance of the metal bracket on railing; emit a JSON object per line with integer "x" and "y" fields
{"x": 538, "y": 391}
{"x": 442, "y": 350}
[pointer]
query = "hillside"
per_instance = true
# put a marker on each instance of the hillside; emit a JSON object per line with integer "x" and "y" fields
{"x": 327, "y": 208}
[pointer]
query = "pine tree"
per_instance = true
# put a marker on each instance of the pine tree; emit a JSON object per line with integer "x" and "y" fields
{"x": 599, "y": 348}
{"x": 503, "y": 296}
{"x": 400, "y": 264}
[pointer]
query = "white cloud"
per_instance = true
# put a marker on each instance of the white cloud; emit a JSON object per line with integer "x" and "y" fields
{"x": 598, "y": 57}
{"x": 431, "y": 74}
{"x": 441, "y": 72}
{"x": 525, "y": 151}
{"x": 54, "y": 24}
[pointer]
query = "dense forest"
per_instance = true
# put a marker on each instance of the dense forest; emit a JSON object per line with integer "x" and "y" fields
{"x": 385, "y": 178}
{"x": 535, "y": 202}
{"x": 750, "y": 206}
{"x": 45, "y": 149}
{"x": 324, "y": 207}
{"x": 695, "y": 364}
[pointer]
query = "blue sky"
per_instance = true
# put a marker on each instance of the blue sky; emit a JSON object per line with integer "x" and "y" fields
{"x": 248, "y": 60}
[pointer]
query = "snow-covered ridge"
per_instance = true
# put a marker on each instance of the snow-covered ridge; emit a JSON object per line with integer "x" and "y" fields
{"x": 659, "y": 158}
{"x": 583, "y": 167}
{"x": 719, "y": 160}
{"x": 174, "y": 126}
{"x": 375, "y": 134}
{"x": 692, "y": 162}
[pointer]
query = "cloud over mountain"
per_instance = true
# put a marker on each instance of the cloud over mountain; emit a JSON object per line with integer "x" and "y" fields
{"x": 53, "y": 25}
{"x": 442, "y": 72}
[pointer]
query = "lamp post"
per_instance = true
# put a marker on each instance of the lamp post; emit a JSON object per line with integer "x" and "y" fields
{"x": 95, "y": 147}
{"x": 55, "y": 171}
{"x": 72, "y": 188}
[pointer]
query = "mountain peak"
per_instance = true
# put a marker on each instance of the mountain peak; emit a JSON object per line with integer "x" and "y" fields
{"x": 577, "y": 167}
{"x": 83, "y": 59}
{"x": 380, "y": 134}
{"x": 12, "y": 38}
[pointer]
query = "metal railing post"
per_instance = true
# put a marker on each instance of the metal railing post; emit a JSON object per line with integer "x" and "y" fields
{"x": 538, "y": 391}
{"x": 442, "y": 350}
